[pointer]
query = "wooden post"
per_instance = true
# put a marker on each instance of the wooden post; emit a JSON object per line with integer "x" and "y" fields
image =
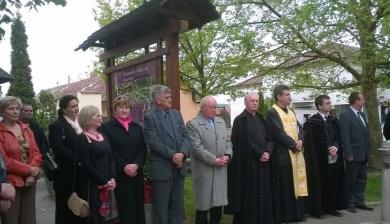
{"x": 110, "y": 88}
{"x": 173, "y": 78}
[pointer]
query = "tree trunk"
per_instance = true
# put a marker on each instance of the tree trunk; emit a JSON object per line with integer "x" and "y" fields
{"x": 369, "y": 90}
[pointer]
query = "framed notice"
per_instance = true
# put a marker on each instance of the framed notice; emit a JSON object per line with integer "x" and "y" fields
{"x": 136, "y": 82}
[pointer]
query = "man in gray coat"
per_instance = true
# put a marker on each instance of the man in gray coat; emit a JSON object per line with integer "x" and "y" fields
{"x": 210, "y": 153}
{"x": 169, "y": 144}
{"x": 355, "y": 137}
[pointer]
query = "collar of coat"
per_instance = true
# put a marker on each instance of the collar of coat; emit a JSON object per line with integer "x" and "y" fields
{"x": 203, "y": 120}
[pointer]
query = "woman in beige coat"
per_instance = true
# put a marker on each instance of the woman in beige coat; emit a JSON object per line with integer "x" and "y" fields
{"x": 211, "y": 151}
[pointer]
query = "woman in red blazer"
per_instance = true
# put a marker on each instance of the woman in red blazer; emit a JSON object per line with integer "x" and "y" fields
{"x": 22, "y": 159}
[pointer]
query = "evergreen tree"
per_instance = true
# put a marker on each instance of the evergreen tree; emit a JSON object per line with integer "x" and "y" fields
{"x": 46, "y": 110}
{"x": 21, "y": 86}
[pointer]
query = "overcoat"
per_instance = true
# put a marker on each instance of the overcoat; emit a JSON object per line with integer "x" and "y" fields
{"x": 207, "y": 143}
{"x": 128, "y": 147}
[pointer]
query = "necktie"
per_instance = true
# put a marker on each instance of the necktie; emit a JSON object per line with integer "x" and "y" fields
{"x": 211, "y": 122}
{"x": 361, "y": 116}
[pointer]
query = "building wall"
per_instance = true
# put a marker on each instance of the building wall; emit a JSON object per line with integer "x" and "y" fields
{"x": 188, "y": 107}
{"x": 90, "y": 99}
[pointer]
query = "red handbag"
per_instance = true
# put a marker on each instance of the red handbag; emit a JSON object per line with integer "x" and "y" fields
{"x": 148, "y": 198}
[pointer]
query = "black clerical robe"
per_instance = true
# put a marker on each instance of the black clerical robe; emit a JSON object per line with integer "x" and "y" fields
{"x": 322, "y": 172}
{"x": 249, "y": 181}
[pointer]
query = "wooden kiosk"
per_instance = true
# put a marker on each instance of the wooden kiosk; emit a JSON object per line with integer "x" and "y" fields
{"x": 142, "y": 48}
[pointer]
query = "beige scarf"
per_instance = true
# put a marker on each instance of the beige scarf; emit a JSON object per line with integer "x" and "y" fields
{"x": 75, "y": 125}
{"x": 289, "y": 122}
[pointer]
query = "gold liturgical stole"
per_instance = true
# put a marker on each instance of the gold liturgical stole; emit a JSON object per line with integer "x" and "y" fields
{"x": 289, "y": 122}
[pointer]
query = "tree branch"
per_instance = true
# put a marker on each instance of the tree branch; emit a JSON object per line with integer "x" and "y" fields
{"x": 319, "y": 52}
{"x": 345, "y": 86}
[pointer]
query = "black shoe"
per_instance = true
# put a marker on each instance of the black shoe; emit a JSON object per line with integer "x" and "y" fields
{"x": 351, "y": 210}
{"x": 319, "y": 216}
{"x": 337, "y": 214}
{"x": 365, "y": 207}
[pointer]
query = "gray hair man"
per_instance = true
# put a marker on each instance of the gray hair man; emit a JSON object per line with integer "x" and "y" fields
{"x": 169, "y": 144}
{"x": 249, "y": 179}
{"x": 211, "y": 151}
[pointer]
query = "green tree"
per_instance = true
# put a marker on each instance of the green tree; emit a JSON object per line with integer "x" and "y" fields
{"x": 213, "y": 58}
{"x": 321, "y": 32}
{"x": 9, "y": 8}
{"x": 216, "y": 56}
{"x": 46, "y": 110}
{"x": 21, "y": 85}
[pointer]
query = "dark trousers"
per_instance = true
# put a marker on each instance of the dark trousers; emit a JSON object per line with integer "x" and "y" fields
{"x": 215, "y": 216}
{"x": 168, "y": 200}
{"x": 356, "y": 179}
{"x": 330, "y": 193}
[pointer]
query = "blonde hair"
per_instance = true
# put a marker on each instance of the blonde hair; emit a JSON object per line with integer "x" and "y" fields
{"x": 121, "y": 100}
{"x": 8, "y": 101}
{"x": 85, "y": 115}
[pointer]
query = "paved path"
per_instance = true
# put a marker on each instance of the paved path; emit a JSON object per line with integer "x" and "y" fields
{"x": 361, "y": 217}
{"x": 45, "y": 212}
{"x": 45, "y": 206}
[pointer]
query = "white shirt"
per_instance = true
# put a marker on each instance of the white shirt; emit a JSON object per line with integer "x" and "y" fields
{"x": 357, "y": 114}
{"x": 323, "y": 115}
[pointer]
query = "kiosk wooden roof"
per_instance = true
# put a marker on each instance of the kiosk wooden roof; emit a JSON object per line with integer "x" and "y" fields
{"x": 149, "y": 18}
{"x": 153, "y": 22}
{"x": 5, "y": 77}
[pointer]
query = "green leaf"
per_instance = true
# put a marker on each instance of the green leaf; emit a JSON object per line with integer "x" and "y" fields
{"x": 3, "y": 5}
{"x": 5, "y": 19}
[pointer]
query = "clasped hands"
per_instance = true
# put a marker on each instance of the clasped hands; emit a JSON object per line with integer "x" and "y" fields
{"x": 222, "y": 161}
{"x": 265, "y": 157}
{"x": 298, "y": 145}
{"x": 110, "y": 185}
{"x": 7, "y": 195}
{"x": 131, "y": 169}
{"x": 178, "y": 159}
{"x": 34, "y": 173}
{"x": 332, "y": 151}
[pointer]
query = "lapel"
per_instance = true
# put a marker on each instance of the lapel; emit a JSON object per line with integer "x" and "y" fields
{"x": 319, "y": 117}
{"x": 173, "y": 125}
{"x": 120, "y": 126}
{"x": 356, "y": 118}
{"x": 205, "y": 123}
{"x": 164, "y": 122}
{"x": 69, "y": 129}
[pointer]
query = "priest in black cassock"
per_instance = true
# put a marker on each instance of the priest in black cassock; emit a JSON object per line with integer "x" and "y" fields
{"x": 289, "y": 183}
{"x": 321, "y": 156}
{"x": 249, "y": 181}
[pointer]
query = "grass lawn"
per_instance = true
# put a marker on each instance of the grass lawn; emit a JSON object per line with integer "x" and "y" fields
{"x": 373, "y": 188}
{"x": 189, "y": 203}
{"x": 373, "y": 192}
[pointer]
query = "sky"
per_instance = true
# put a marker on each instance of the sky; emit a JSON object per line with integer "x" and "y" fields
{"x": 53, "y": 34}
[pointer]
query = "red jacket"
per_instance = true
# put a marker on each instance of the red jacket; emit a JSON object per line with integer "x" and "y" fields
{"x": 17, "y": 171}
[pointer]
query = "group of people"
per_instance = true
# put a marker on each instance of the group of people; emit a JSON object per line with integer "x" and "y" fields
{"x": 275, "y": 170}
{"x": 267, "y": 171}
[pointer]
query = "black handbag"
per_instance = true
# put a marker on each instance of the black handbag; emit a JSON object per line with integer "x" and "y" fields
{"x": 50, "y": 166}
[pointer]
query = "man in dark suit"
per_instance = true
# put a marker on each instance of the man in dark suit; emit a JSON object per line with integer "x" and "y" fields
{"x": 169, "y": 144}
{"x": 386, "y": 127}
{"x": 355, "y": 137}
{"x": 322, "y": 157}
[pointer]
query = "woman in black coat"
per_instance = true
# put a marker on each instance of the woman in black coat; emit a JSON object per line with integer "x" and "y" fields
{"x": 97, "y": 165}
{"x": 62, "y": 139}
{"x": 129, "y": 150}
